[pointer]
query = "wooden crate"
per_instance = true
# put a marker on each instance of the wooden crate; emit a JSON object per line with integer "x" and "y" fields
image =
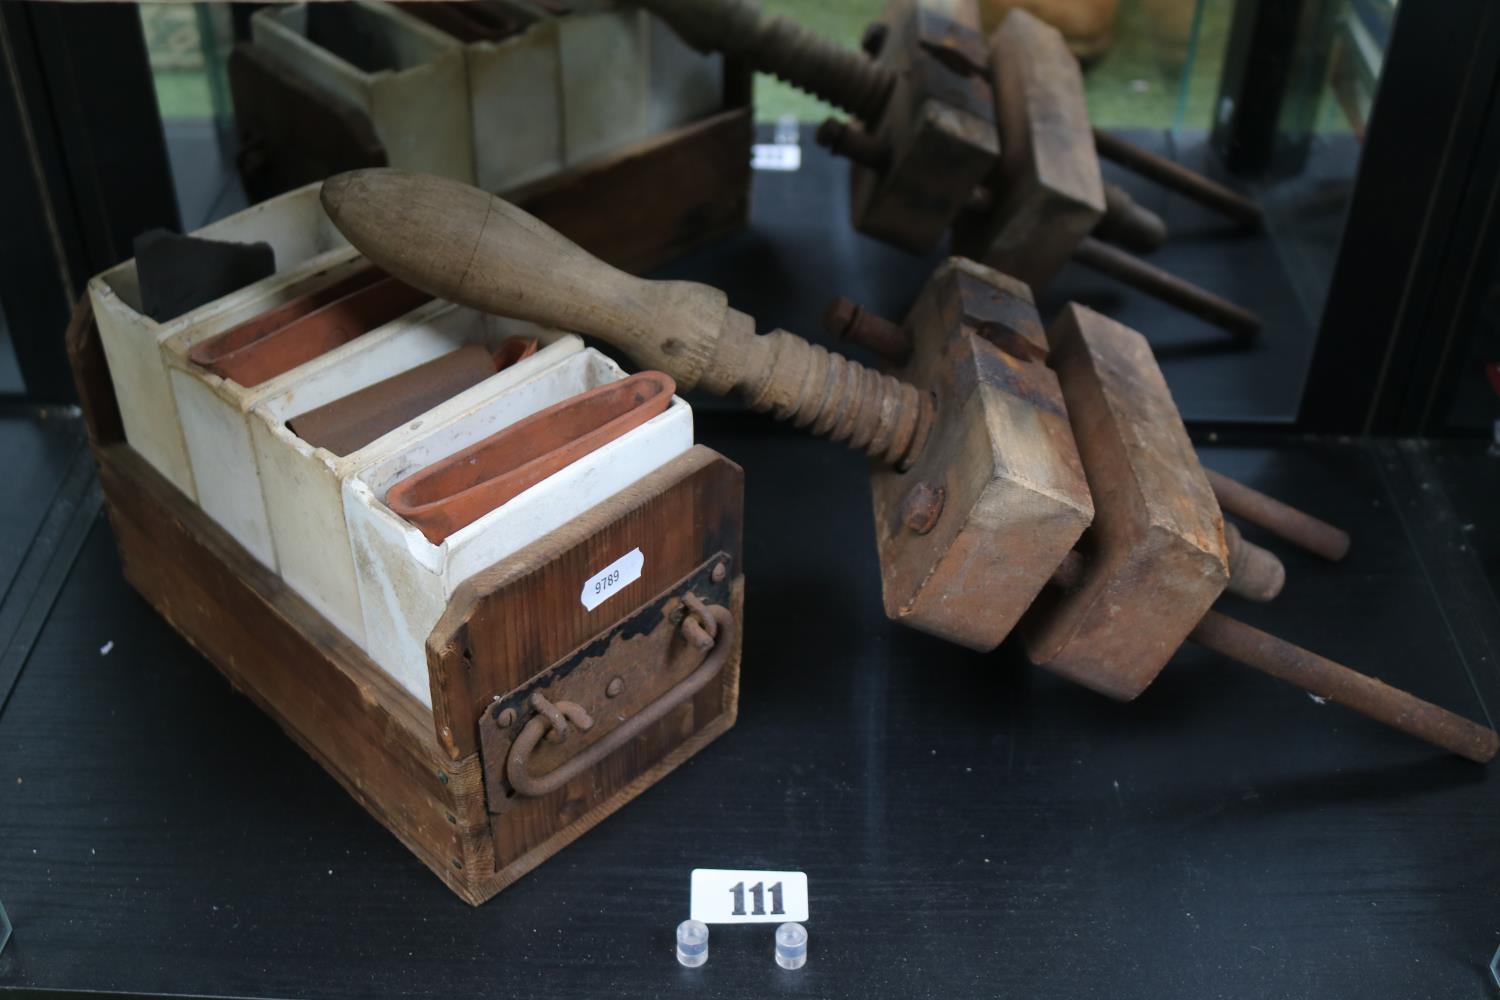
{"x": 512, "y": 629}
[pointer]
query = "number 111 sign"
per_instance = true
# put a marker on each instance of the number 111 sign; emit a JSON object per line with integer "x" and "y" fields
{"x": 727, "y": 896}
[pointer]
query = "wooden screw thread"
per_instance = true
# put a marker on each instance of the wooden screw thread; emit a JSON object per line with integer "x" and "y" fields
{"x": 1336, "y": 682}
{"x": 843, "y": 77}
{"x": 831, "y": 396}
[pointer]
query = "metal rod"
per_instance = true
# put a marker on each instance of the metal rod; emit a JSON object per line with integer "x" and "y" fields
{"x": 1168, "y": 287}
{"x": 1336, "y": 682}
{"x": 1282, "y": 520}
{"x": 1179, "y": 178}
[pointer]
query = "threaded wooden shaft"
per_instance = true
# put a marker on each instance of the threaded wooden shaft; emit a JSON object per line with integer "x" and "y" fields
{"x": 829, "y": 395}
{"x": 843, "y": 77}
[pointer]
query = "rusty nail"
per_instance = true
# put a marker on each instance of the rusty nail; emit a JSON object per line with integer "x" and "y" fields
{"x": 614, "y": 687}
{"x": 718, "y": 573}
{"x": 506, "y": 718}
{"x": 873, "y": 39}
{"x": 922, "y": 506}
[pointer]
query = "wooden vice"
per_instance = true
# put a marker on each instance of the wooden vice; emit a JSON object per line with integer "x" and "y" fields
{"x": 933, "y": 96}
{"x": 997, "y": 446}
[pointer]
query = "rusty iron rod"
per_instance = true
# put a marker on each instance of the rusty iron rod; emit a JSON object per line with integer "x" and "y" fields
{"x": 1336, "y": 682}
{"x": 847, "y": 320}
{"x": 1179, "y": 178}
{"x": 1280, "y": 519}
{"x": 1168, "y": 287}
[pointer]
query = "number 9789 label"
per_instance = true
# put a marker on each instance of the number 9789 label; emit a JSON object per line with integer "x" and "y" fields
{"x": 612, "y": 579}
{"x": 727, "y": 896}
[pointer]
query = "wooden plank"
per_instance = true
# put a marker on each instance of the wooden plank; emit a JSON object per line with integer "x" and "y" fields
{"x": 643, "y": 205}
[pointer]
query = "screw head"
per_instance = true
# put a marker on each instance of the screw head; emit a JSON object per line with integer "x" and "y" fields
{"x": 506, "y": 718}
{"x": 922, "y": 506}
{"x": 615, "y": 686}
{"x": 718, "y": 573}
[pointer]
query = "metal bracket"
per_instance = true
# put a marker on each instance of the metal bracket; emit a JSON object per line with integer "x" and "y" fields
{"x": 615, "y": 676}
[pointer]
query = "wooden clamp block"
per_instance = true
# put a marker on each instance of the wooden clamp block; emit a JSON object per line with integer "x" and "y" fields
{"x": 937, "y": 133}
{"x": 1155, "y": 559}
{"x": 928, "y": 137}
{"x": 1048, "y": 189}
{"x": 974, "y": 529}
{"x": 1048, "y": 195}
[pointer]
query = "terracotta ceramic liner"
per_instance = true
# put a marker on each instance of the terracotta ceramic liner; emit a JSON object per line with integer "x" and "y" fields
{"x": 306, "y": 327}
{"x": 465, "y": 486}
{"x": 349, "y": 423}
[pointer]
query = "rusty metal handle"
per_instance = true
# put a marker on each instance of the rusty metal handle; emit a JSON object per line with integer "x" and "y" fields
{"x": 528, "y": 784}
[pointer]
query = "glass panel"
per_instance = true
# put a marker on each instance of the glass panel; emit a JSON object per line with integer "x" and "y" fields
{"x": 188, "y": 46}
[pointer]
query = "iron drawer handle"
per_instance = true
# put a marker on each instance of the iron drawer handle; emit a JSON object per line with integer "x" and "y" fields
{"x": 538, "y": 725}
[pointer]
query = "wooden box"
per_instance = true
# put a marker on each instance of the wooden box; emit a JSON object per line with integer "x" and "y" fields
{"x": 469, "y": 784}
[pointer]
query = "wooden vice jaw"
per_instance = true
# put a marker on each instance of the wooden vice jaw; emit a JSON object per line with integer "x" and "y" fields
{"x": 973, "y": 530}
{"x": 928, "y": 138}
{"x": 1049, "y": 199}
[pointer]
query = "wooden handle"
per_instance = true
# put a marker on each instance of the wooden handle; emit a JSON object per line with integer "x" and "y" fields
{"x": 469, "y": 247}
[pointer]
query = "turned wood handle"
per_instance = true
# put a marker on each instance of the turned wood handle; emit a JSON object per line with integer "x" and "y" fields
{"x": 466, "y": 246}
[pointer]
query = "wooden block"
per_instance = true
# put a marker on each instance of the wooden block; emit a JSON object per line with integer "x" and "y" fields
{"x": 1048, "y": 191}
{"x": 1155, "y": 559}
{"x": 1001, "y": 458}
{"x": 938, "y": 123}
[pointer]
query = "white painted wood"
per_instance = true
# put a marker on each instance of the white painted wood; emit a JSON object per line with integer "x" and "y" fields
{"x": 605, "y": 67}
{"x": 685, "y": 85}
{"x": 215, "y": 413}
{"x": 405, "y": 581}
{"x": 305, "y": 244}
{"x": 301, "y": 484}
{"x": 419, "y": 106}
{"x": 515, "y": 91}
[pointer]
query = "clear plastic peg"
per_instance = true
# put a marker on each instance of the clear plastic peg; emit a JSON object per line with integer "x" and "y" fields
{"x": 692, "y": 943}
{"x": 791, "y": 946}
